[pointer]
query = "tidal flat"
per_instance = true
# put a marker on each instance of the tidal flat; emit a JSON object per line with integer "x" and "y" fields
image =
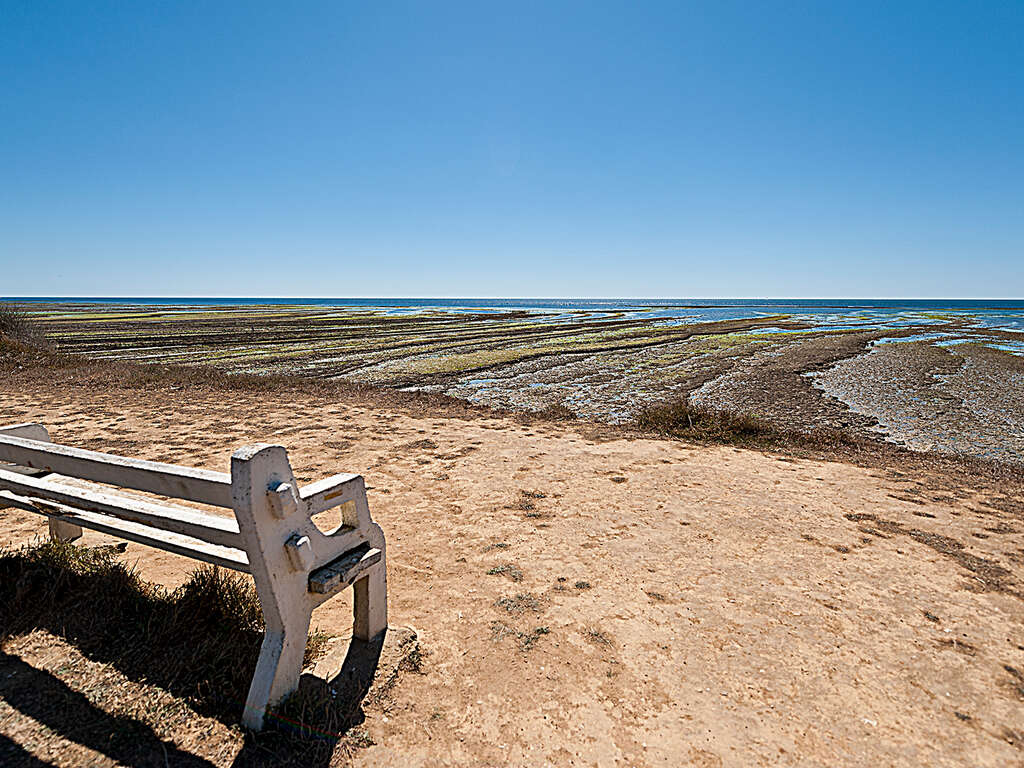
{"x": 938, "y": 379}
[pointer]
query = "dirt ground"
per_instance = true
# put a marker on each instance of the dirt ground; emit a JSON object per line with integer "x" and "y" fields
{"x": 611, "y": 601}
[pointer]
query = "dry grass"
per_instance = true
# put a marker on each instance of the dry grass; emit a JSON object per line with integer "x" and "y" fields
{"x": 38, "y": 364}
{"x": 597, "y": 636}
{"x": 526, "y": 640}
{"x": 200, "y": 641}
{"x": 511, "y": 570}
{"x": 15, "y": 325}
{"x": 518, "y": 604}
{"x": 21, "y": 339}
{"x": 557, "y": 412}
{"x": 682, "y": 419}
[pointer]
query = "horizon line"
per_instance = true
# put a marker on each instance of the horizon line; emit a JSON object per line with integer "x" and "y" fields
{"x": 525, "y": 298}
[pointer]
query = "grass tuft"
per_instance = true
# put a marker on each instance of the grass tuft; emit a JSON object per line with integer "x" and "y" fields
{"x": 518, "y": 604}
{"x": 525, "y": 640}
{"x": 597, "y": 636}
{"x": 683, "y": 419}
{"x": 21, "y": 343}
{"x": 15, "y": 325}
{"x": 198, "y": 642}
{"x": 557, "y": 412}
{"x": 506, "y": 569}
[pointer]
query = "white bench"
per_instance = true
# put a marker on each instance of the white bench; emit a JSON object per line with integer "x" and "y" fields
{"x": 296, "y": 567}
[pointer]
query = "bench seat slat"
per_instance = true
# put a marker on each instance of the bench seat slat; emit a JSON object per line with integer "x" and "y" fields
{"x": 227, "y": 557}
{"x": 222, "y": 531}
{"x": 200, "y": 485}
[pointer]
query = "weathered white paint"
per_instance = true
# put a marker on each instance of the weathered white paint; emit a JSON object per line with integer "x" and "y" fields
{"x": 334, "y": 577}
{"x": 275, "y": 522}
{"x": 27, "y": 430}
{"x": 188, "y": 546}
{"x": 331, "y": 492}
{"x": 200, "y": 485}
{"x": 59, "y": 529}
{"x": 295, "y": 566}
{"x": 189, "y": 522}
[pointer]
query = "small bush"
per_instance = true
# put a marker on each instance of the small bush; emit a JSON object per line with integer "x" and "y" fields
{"x": 15, "y": 326}
{"x": 557, "y": 412}
{"x": 12, "y": 322}
{"x": 683, "y": 419}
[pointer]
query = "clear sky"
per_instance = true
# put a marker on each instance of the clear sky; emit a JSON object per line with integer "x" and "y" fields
{"x": 640, "y": 149}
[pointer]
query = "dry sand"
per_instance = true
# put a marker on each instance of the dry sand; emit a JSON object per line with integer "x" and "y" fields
{"x": 662, "y": 604}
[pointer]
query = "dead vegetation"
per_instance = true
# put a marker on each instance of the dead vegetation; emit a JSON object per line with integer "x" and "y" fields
{"x": 680, "y": 418}
{"x": 75, "y": 592}
{"x": 15, "y": 326}
{"x": 518, "y": 604}
{"x": 684, "y": 421}
{"x": 511, "y": 570}
{"x": 39, "y": 365}
{"x": 526, "y": 640}
{"x": 597, "y": 636}
{"x": 557, "y": 412}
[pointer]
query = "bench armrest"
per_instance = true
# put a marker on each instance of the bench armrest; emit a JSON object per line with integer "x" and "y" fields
{"x": 332, "y": 491}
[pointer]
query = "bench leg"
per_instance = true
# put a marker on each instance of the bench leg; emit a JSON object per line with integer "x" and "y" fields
{"x": 370, "y": 593}
{"x": 370, "y": 604}
{"x": 278, "y": 668}
{"x": 61, "y": 531}
{"x": 270, "y": 532}
{"x": 283, "y": 590}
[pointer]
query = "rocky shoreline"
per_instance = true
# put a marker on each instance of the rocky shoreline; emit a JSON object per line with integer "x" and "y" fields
{"x": 947, "y": 382}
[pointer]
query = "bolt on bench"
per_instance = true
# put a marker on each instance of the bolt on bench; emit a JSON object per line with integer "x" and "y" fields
{"x": 295, "y": 565}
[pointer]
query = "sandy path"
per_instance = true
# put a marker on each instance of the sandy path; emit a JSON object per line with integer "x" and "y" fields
{"x": 676, "y": 605}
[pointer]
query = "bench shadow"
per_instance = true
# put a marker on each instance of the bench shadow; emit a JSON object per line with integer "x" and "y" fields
{"x": 318, "y": 715}
{"x": 48, "y": 700}
{"x": 16, "y": 756}
{"x": 199, "y": 643}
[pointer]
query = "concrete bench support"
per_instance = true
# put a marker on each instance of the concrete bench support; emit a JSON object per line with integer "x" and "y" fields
{"x": 294, "y": 564}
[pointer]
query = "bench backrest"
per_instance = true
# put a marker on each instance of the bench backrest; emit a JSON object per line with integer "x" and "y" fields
{"x": 28, "y": 446}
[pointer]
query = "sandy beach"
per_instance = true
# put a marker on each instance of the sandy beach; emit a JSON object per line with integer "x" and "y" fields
{"x": 582, "y": 596}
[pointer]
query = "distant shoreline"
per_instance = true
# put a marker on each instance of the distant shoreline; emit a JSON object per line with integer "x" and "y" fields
{"x": 935, "y": 378}
{"x": 531, "y": 303}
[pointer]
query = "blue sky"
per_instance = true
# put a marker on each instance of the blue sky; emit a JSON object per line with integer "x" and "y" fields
{"x": 658, "y": 149}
